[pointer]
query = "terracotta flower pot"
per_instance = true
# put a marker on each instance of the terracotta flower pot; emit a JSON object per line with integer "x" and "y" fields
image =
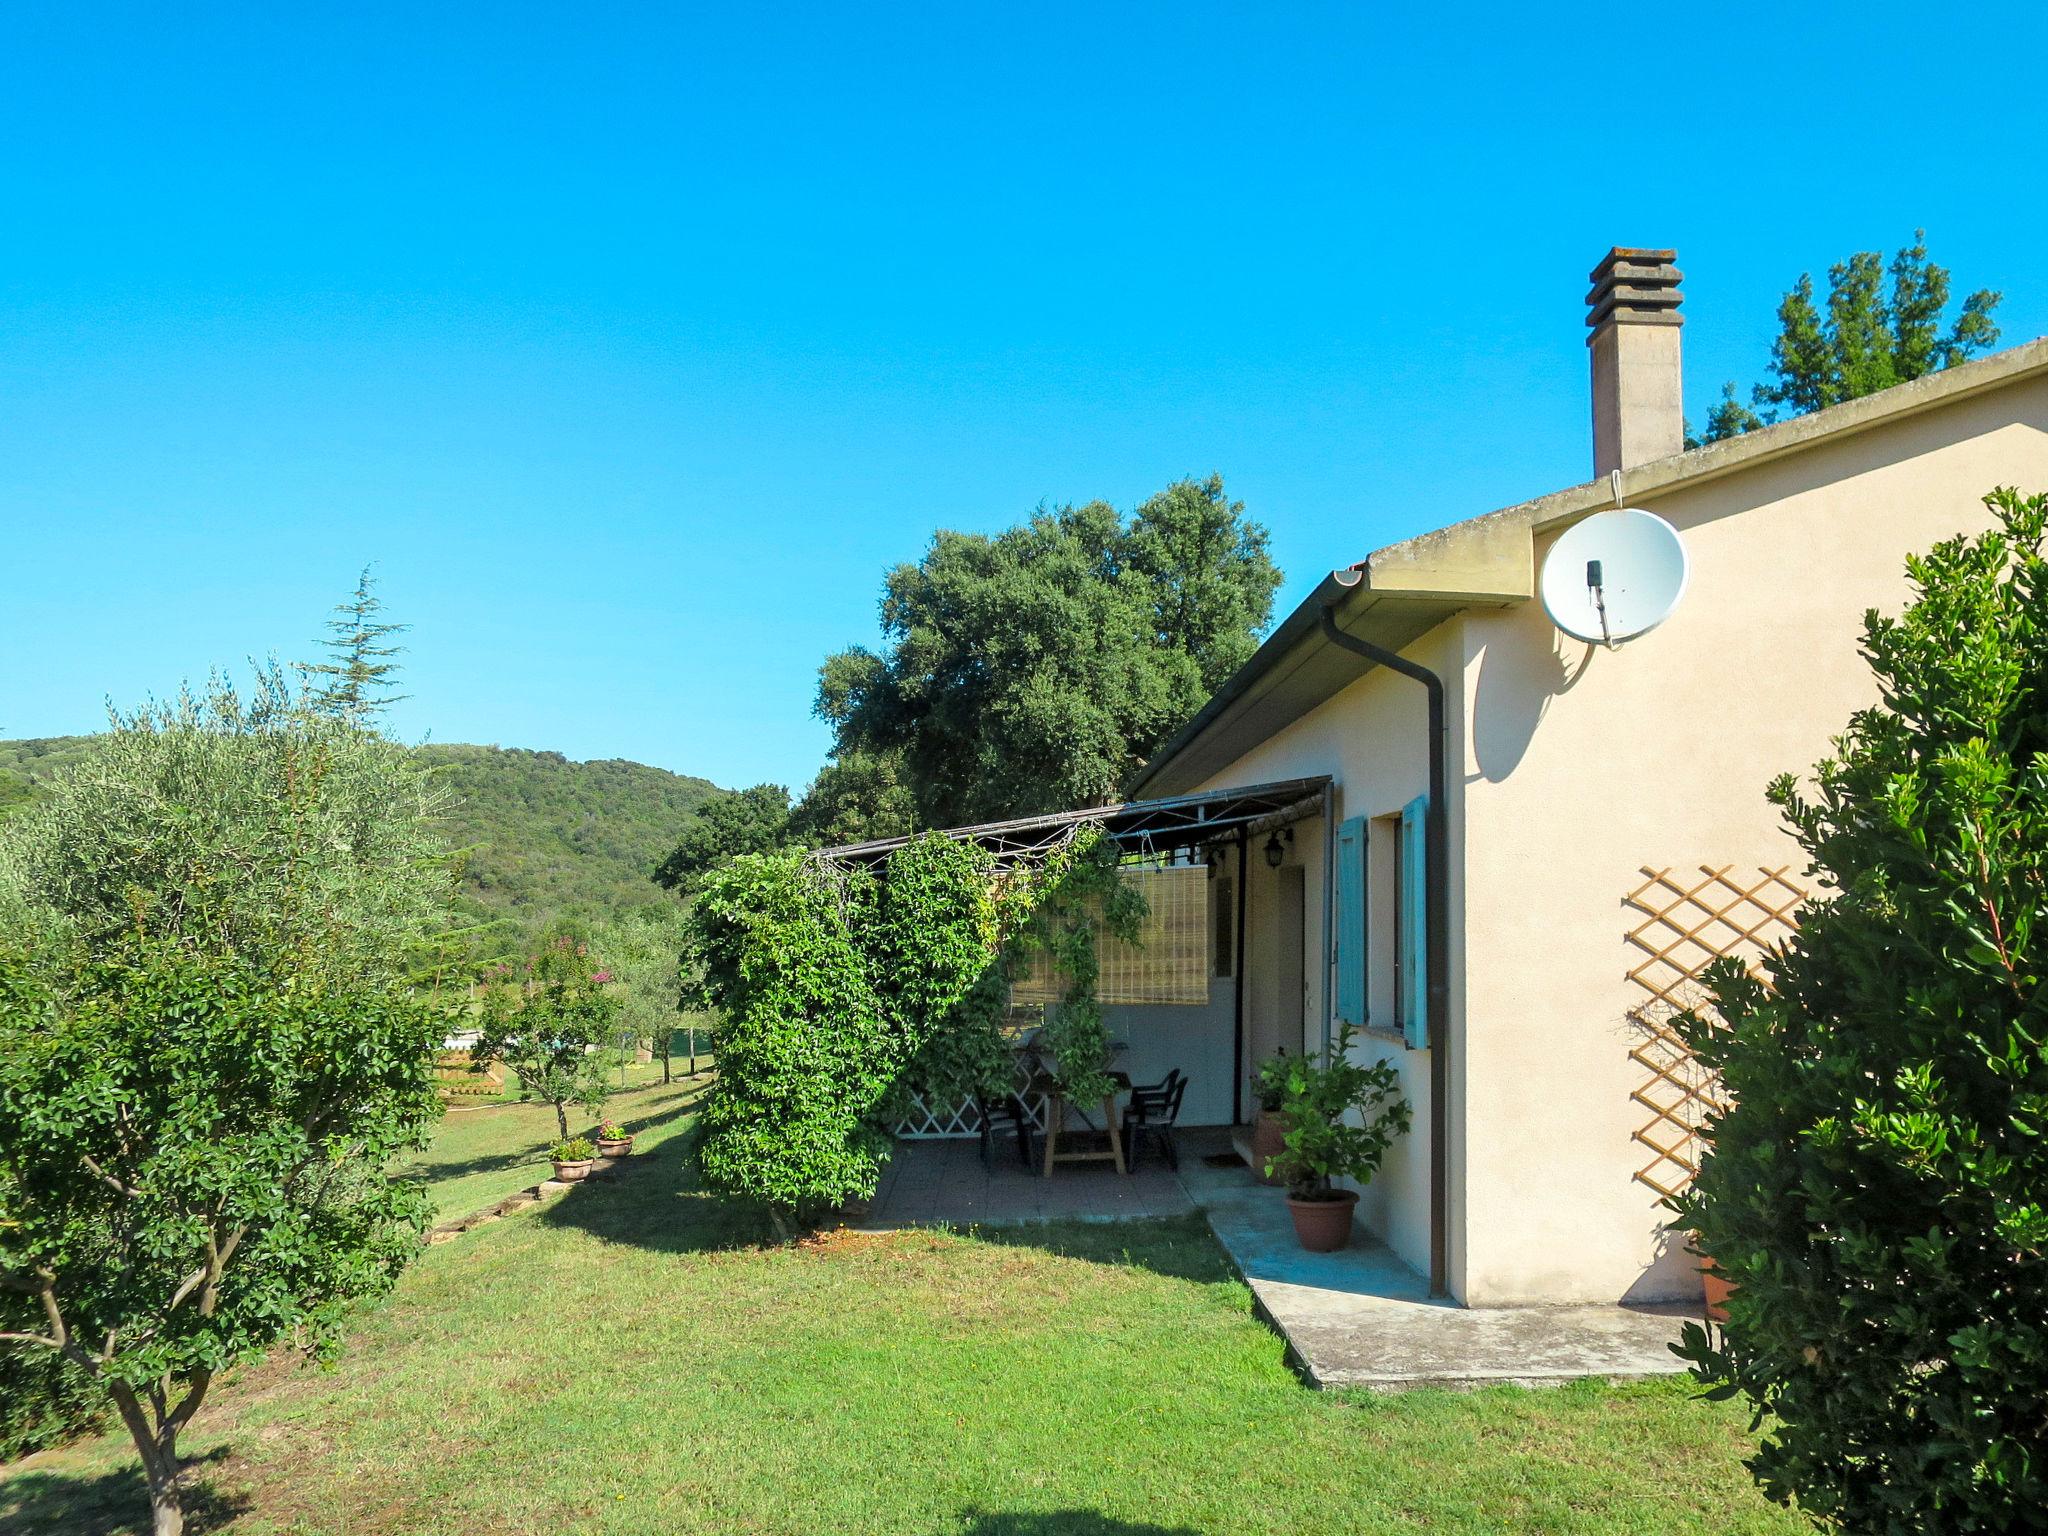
{"x": 1717, "y": 1288}
{"x": 1269, "y": 1139}
{"x": 1324, "y": 1225}
{"x": 623, "y": 1147}
{"x": 571, "y": 1173}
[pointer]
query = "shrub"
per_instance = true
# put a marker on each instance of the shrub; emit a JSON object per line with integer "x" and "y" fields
{"x": 1321, "y": 1145}
{"x": 1269, "y": 1086}
{"x": 551, "y": 1021}
{"x": 1878, "y": 1193}
{"x": 572, "y": 1149}
{"x": 804, "y": 1054}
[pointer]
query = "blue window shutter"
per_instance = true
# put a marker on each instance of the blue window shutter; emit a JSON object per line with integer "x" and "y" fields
{"x": 1351, "y": 921}
{"x": 1414, "y": 921}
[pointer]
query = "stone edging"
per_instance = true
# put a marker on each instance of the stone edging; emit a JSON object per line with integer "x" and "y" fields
{"x": 533, "y": 1194}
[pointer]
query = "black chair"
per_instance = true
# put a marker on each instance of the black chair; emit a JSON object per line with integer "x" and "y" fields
{"x": 1152, "y": 1112}
{"x": 1011, "y": 1108}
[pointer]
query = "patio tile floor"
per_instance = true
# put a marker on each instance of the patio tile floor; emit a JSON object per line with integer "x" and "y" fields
{"x": 943, "y": 1182}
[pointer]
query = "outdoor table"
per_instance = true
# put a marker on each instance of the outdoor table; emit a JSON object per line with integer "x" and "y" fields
{"x": 1055, "y": 1119}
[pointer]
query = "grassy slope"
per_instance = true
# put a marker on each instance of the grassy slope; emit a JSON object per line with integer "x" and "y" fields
{"x": 544, "y": 837}
{"x": 627, "y": 1360}
{"x": 482, "y": 1154}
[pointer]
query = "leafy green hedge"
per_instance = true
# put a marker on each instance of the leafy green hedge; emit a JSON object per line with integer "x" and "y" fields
{"x": 1878, "y": 1194}
{"x": 843, "y": 992}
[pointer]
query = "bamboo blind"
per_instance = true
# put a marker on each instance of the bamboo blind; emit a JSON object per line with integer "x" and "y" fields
{"x": 1168, "y": 964}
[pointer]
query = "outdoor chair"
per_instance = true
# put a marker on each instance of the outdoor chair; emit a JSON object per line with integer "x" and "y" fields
{"x": 1009, "y": 1108}
{"x": 1152, "y": 1112}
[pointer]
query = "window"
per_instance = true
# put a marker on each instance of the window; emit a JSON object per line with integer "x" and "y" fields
{"x": 1397, "y": 988}
{"x": 1397, "y": 932}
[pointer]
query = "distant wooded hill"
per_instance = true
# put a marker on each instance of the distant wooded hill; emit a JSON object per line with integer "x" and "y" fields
{"x": 544, "y": 838}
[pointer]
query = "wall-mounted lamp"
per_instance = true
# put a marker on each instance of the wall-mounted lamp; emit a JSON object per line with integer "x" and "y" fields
{"x": 1276, "y": 853}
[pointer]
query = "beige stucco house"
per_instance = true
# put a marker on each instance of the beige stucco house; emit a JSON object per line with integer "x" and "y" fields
{"x": 1574, "y": 776}
{"x": 1598, "y": 828}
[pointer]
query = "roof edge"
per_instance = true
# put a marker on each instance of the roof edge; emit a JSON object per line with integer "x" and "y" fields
{"x": 1489, "y": 560}
{"x": 1697, "y": 466}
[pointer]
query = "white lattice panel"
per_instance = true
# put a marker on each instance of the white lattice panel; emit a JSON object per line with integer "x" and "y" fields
{"x": 925, "y": 1123}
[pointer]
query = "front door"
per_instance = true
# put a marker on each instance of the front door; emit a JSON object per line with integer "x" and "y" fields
{"x": 1277, "y": 993}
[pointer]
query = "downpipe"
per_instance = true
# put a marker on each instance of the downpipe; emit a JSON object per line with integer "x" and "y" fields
{"x": 1436, "y": 921}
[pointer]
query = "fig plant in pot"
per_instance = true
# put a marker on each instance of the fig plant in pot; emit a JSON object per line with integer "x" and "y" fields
{"x": 572, "y": 1158}
{"x": 1321, "y": 1144}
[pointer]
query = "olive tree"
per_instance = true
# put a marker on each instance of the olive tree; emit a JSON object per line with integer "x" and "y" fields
{"x": 244, "y": 822}
{"x": 1878, "y": 1193}
{"x": 212, "y": 1040}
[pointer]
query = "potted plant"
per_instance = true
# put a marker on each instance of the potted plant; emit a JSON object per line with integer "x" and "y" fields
{"x": 1321, "y": 1145}
{"x": 1269, "y": 1088}
{"x": 614, "y": 1140}
{"x": 1715, "y": 1287}
{"x": 572, "y": 1159}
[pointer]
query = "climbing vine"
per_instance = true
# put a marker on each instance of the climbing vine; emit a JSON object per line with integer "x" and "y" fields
{"x": 844, "y": 993}
{"x": 1075, "y": 896}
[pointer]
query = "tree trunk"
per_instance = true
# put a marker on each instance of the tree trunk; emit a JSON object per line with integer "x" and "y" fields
{"x": 668, "y": 1042}
{"x": 166, "y": 1507}
{"x": 562, "y": 1118}
{"x": 158, "y": 1451}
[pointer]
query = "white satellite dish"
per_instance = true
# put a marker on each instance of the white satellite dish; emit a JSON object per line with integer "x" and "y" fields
{"x": 1614, "y": 576}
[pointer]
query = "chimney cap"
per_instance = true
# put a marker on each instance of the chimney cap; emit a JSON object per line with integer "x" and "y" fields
{"x": 1632, "y": 255}
{"x": 1635, "y": 285}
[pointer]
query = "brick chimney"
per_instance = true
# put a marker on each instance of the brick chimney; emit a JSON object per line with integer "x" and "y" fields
{"x": 1638, "y": 408}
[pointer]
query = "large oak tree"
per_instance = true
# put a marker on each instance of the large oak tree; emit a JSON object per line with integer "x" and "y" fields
{"x": 1037, "y": 669}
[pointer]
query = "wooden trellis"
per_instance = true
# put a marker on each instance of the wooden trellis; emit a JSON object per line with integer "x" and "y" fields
{"x": 1686, "y": 924}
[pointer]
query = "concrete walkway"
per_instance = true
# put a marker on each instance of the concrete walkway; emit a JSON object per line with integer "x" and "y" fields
{"x": 1362, "y": 1318}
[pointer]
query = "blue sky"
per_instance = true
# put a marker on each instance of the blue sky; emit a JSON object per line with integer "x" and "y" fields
{"x": 633, "y": 343}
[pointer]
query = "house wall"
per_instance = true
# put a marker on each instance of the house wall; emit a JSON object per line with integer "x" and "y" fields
{"x": 1585, "y": 765}
{"x": 1577, "y": 767}
{"x": 1369, "y": 739}
{"x": 1198, "y": 1040}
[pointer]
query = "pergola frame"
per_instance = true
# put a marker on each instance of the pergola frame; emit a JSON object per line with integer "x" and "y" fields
{"x": 1145, "y": 831}
{"x": 1139, "y": 828}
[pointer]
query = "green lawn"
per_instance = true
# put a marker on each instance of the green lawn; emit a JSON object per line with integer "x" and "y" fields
{"x": 482, "y": 1153}
{"x": 630, "y": 1360}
